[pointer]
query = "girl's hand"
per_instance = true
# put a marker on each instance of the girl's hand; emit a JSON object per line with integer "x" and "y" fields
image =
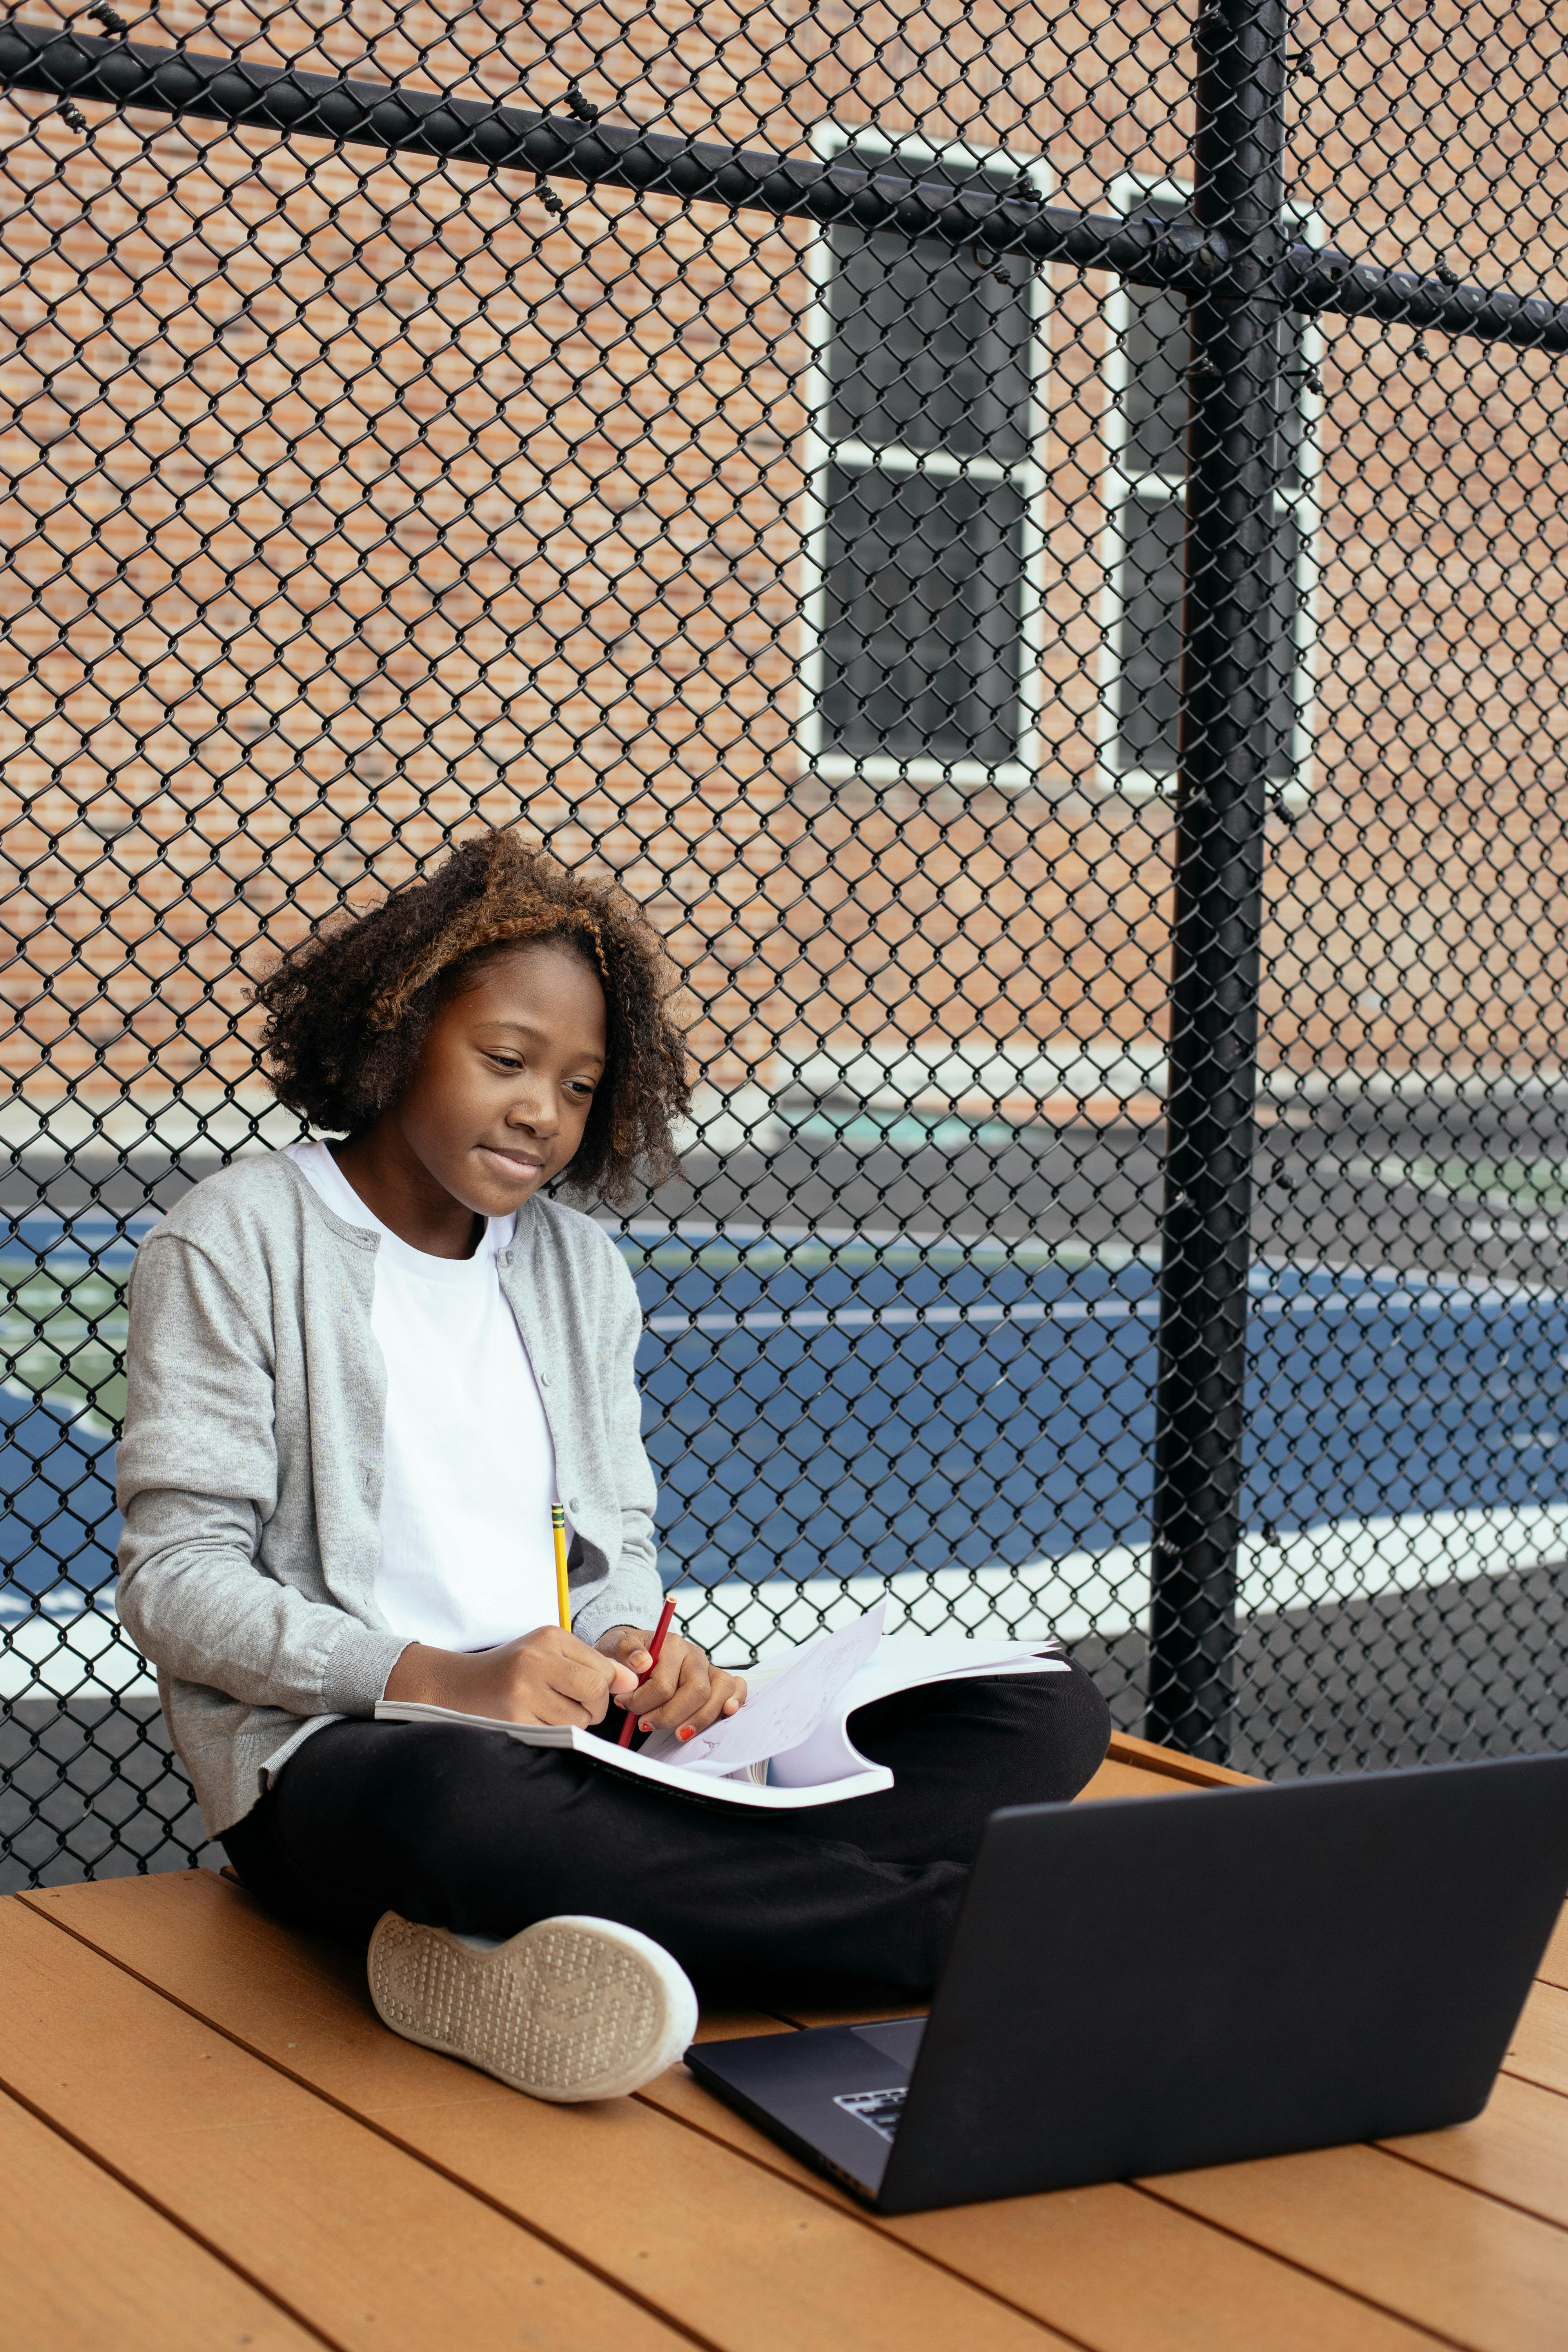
{"x": 684, "y": 1694}
{"x": 546, "y": 1677}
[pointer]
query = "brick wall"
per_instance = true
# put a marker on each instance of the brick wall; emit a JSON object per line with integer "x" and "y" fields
{"x": 346, "y": 499}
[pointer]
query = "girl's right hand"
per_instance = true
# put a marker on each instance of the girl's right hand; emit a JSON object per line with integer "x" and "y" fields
{"x": 546, "y": 1677}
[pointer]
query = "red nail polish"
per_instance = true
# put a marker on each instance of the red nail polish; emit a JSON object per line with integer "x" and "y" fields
{"x": 686, "y": 1732}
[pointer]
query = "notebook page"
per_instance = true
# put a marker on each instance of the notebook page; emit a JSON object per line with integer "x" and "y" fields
{"x": 790, "y": 1707}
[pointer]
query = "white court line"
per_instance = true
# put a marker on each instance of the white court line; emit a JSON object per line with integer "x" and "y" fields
{"x": 84, "y": 1657}
{"x": 1041, "y": 1310}
{"x": 1107, "y": 1593}
{"x": 1081, "y": 1594}
{"x": 839, "y": 1318}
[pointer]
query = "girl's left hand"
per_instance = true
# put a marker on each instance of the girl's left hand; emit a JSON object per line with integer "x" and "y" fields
{"x": 684, "y": 1694}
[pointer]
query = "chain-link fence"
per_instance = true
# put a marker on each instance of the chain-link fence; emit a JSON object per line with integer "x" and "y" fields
{"x": 1034, "y": 544}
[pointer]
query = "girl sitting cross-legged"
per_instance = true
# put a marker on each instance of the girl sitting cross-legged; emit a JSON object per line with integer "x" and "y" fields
{"x": 361, "y": 1373}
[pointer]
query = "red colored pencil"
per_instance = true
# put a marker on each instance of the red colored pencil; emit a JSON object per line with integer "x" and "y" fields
{"x": 654, "y": 1647}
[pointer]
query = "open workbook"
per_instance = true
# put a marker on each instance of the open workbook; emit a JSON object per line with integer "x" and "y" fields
{"x": 789, "y": 1744}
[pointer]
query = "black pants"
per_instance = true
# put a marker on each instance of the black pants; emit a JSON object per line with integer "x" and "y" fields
{"x": 472, "y": 1830}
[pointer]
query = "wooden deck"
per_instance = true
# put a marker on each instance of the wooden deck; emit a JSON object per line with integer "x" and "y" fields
{"x": 208, "y": 2139}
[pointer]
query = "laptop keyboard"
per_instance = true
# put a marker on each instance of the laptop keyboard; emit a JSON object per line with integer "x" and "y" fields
{"x": 880, "y": 2109}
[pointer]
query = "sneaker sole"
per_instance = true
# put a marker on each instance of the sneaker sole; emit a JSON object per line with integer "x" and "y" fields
{"x": 571, "y": 2009}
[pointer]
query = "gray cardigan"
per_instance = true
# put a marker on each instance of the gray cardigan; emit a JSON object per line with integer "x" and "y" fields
{"x": 250, "y": 1470}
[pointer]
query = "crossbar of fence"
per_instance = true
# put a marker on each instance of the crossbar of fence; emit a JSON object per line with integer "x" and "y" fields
{"x": 247, "y": 95}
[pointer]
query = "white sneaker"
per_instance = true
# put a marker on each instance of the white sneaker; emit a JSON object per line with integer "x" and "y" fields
{"x": 570, "y": 2008}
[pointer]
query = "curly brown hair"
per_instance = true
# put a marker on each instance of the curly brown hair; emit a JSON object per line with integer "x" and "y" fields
{"x": 349, "y": 1009}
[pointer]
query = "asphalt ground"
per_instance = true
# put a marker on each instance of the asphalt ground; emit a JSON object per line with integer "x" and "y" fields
{"x": 90, "y": 1788}
{"x": 1358, "y": 1184}
{"x": 1459, "y": 1670}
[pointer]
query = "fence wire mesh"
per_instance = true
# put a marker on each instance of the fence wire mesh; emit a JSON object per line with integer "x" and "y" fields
{"x": 1067, "y": 1022}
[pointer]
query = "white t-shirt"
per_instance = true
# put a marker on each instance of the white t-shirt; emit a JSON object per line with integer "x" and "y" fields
{"x": 467, "y": 1558}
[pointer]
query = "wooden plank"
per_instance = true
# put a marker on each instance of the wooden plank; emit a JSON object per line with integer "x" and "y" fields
{"x": 1538, "y": 2050}
{"x": 1168, "y": 1764}
{"x": 1137, "y": 1767}
{"x": 1470, "y": 2269}
{"x": 348, "y": 2233}
{"x": 733, "y": 2024}
{"x": 1115, "y": 1778}
{"x": 1553, "y": 1969}
{"x": 737, "y": 2254}
{"x": 1024, "y": 2247}
{"x": 1516, "y": 2149}
{"x": 87, "y": 2265}
{"x": 1118, "y": 2270}
{"x": 791, "y": 2012}
{"x": 1114, "y": 2272}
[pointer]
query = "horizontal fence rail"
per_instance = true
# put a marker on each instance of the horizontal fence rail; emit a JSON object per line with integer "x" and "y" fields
{"x": 253, "y": 96}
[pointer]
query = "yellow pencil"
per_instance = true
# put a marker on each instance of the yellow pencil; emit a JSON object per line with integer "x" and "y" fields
{"x": 563, "y": 1597}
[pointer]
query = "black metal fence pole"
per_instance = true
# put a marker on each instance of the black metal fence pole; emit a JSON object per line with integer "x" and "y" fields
{"x": 1228, "y": 669}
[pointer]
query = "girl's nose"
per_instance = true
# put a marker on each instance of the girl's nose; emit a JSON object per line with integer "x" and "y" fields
{"x": 535, "y": 1111}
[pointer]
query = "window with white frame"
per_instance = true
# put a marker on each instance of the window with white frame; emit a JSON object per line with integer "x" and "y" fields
{"x": 1145, "y": 492}
{"x": 924, "y": 529}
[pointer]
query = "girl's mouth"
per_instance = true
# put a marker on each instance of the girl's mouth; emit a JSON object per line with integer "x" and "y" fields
{"x": 518, "y": 1165}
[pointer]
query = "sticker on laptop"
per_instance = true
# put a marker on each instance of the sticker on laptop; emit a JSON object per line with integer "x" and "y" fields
{"x": 880, "y": 2109}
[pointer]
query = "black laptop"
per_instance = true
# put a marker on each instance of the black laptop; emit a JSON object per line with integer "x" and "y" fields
{"x": 1142, "y": 1985}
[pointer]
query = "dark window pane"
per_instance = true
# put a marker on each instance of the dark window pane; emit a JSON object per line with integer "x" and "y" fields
{"x": 928, "y": 350}
{"x": 1155, "y": 400}
{"x": 921, "y": 643}
{"x": 1148, "y": 644}
{"x": 1149, "y": 640}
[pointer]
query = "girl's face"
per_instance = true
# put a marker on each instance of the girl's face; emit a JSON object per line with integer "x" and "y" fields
{"x": 501, "y": 1096}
